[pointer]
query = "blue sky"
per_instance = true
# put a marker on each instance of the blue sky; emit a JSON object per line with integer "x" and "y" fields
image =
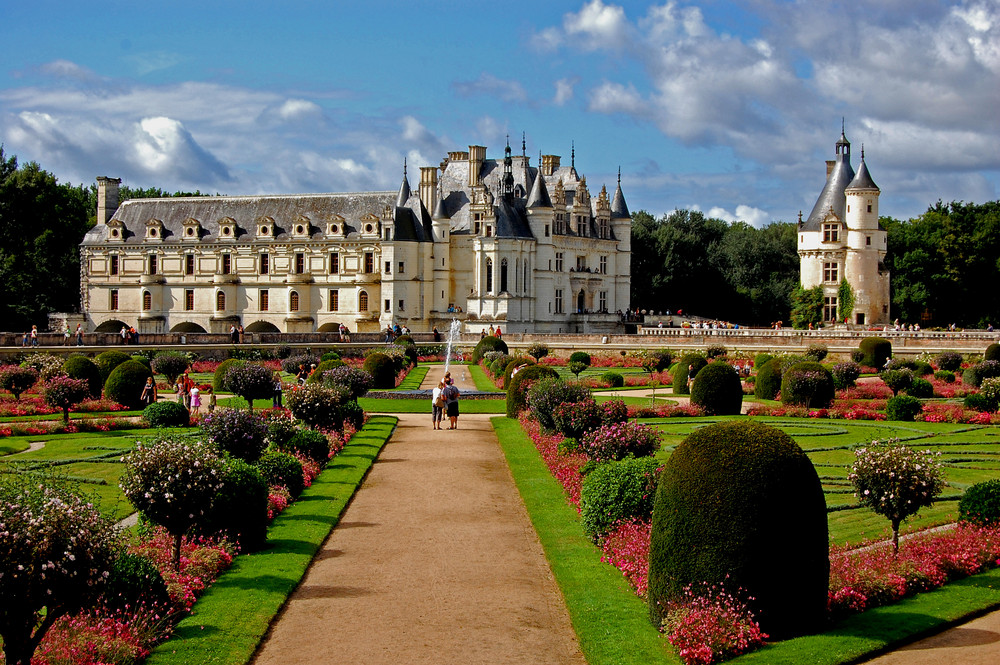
{"x": 724, "y": 106}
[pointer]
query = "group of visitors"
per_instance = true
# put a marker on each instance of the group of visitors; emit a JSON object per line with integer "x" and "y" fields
{"x": 129, "y": 335}
{"x": 344, "y": 333}
{"x": 236, "y": 333}
{"x": 393, "y": 331}
{"x": 189, "y": 395}
{"x": 30, "y": 338}
{"x": 494, "y": 332}
{"x": 444, "y": 400}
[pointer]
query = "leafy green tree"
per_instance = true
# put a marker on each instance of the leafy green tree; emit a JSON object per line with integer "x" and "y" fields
{"x": 845, "y": 301}
{"x": 807, "y": 307}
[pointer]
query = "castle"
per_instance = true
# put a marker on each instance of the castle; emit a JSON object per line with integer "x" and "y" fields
{"x": 483, "y": 241}
{"x": 842, "y": 240}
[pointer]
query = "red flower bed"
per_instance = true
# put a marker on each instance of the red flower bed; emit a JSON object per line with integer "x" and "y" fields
{"x": 564, "y": 468}
{"x": 626, "y": 547}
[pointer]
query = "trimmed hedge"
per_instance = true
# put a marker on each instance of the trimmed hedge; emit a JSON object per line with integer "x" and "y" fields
{"x": 239, "y": 511}
{"x": 486, "y": 344}
{"x": 617, "y": 491}
{"x": 309, "y": 443}
{"x": 613, "y": 379}
{"x": 134, "y": 580}
{"x": 107, "y": 362}
{"x": 520, "y": 383}
{"x": 875, "y": 351}
{"x": 513, "y": 363}
{"x": 282, "y": 469}
{"x": 729, "y": 497}
{"x": 920, "y": 388}
{"x": 547, "y": 394}
{"x": 326, "y": 366}
{"x": 580, "y": 357}
{"x": 902, "y": 408}
{"x": 980, "y": 505}
{"x": 768, "y": 382}
{"x": 383, "y": 370}
{"x": 125, "y": 383}
{"x": 218, "y": 379}
{"x": 166, "y": 414}
{"x": 992, "y": 352}
{"x": 81, "y": 367}
{"x": 718, "y": 390}
{"x": 687, "y": 367}
{"x": 808, "y": 384}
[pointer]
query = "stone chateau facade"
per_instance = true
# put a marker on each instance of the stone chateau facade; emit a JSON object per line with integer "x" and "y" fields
{"x": 842, "y": 239}
{"x": 484, "y": 241}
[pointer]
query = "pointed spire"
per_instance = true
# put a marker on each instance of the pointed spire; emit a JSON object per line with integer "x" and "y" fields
{"x": 572, "y": 155}
{"x": 440, "y": 212}
{"x": 507, "y": 180}
{"x": 619, "y": 209}
{"x": 538, "y": 197}
{"x": 404, "y": 189}
{"x": 863, "y": 179}
{"x": 524, "y": 146}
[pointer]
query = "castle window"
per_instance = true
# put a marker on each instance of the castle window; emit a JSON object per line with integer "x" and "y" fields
{"x": 868, "y": 240}
{"x": 476, "y": 230}
{"x": 293, "y": 301}
{"x": 489, "y": 230}
{"x": 402, "y": 265}
{"x": 869, "y": 207}
{"x": 300, "y": 263}
{"x": 831, "y": 233}
{"x": 581, "y": 263}
{"x": 114, "y": 264}
{"x": 113, "y": 300}
{"x": 220, "y": 301}
{"x": 602, "y": 300}
{"x": 369, "y": 263}
{"x": 387, "y": 233}
{"x": 147, "y": 301}
{"x": 603, "y": 227}
{"x": 188, "y": 299}
{"x": 604, "y": 265}
{"x": 559, "y": 261}
{"x": 189, "y": 264}
{"x": 831, "y": 272}
{"x": 265, "y": 300}
{"x": 363, "y": 301}
{"x": 334, "y": 263}
{"x": 559, "y": 301}
{"x": 227, "y": 264}
{"x": 402, "y": 305}
{"x": 387, "y": 304}
{"x": 489, "y": 275}
{"x": 559, "y": 228}
{"x": 830, "y": 308}
{"x": 334, "y": 300}
{"x": 151, "y": 259}
{"x": 581, "y": 226}
{"x": 546, "y": 230}
{"x": 265, "y": 264}
{"x": 388, "y": 267}
{"x": 503, "y": 275}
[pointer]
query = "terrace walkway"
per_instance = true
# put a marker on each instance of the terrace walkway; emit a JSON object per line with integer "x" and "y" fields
{"x": 435, "y": 561}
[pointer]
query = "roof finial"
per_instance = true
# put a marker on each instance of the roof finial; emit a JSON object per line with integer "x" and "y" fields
{"x": 524, "y": 146}
{"x": 404, "y": 167}
{"x": 862, "y": 152}
{"x": 619, "y": 176}
{"x": 800, "y": 218}
{"x": 843, "y": 125}
{"x": 572, "y": 154}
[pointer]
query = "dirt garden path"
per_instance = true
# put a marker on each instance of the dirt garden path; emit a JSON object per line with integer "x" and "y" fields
{"x": 435, "y": 561}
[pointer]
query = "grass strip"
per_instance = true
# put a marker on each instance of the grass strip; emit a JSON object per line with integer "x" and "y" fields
{"x": 423, "y": 405}
{"x": 229, "y": 621}
{"x": 413, "y": 378}
{"x": 882, "y": 629}
{"x": 609, "y": 619}
{"x": 482, "y": 381}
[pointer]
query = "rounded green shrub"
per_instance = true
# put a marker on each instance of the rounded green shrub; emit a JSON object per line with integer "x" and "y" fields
{"x": 817, "y": 352}
{"x": 125, "y": 383}
{"x": 921, "y": 368}
{"x": 292, "y": 364}
{"x": 282, "y": 469}
{"x": 351, "y": 412}
{"x": 992, "y": 352}
{"x": 979, "y": 372}
{"x": 718, "y": 390}
{"x": 310, "y": 444}
{"x": 144, "y": 360}
{"x": 107, "y": 361}
{"x": 656, "y": 360}
{"x": 81, "y": 367}
{"x": 768, "y": 381}
{"x": 902, "y": 408}
{"x": 519, "y": 384}
{"x": 950, "y": 361}
{"x": 170, "y": 364}
{"x": 546, "y": 394}
{"x": 512, "y": 364}
{"x": 897, "y": 379}
{"x": 280, "y": 430}
{"x": 920, "y": 388}
{"x": 613, "y": 379}
{"x": 356, "y": 380}
{"x": 326, "y": 366}
{"x": 166, "y": 414}
{"x": 239, "y": 511}
{"x": 687, "y": 368}
{"x": 538, "y": 351}
{"x": 134, "y": 580}
{"x": 945, "y": 375}
{"x": 978, "y": 402}
{"x": 329, "y": 355}
{"x": 580, "y": 357}
{"x": 239, "y": 432}
{"x": 980, "y": 505}
{"x": 808, "y": 384}
{"x": 616, "y": 441}
{"x": 845, "y": 375}
{"x": 219, "y": 378}
{"x": 875, "y": 350}
{"x": 485, "y": 345}
{"x": 319, "y": 406}
{"x": 617, "y": 491}
{"x": 404, "y": 340}
{"x": 760, "y": 359}
{"x": 729, "y": 497}
{"x": 383, "y": 370}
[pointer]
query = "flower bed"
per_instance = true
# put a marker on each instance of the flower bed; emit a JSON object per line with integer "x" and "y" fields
{"x": 58, "y": 427}
{"x": 564, "y": 468}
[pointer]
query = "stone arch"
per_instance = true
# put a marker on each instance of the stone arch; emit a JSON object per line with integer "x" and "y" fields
{"x": 262, "y": 327}
{"x": 111, "y": 326}
{"x": 187, "y": 327}
{"x": 329, "y": 327}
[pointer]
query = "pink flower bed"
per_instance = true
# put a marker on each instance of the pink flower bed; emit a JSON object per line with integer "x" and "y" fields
{"x": 202, "y": 561}
{"x": 709, "y": 624}
{"x": 57, "y": 427}
{"x": 664, "y": 411}
{"x": 626, "y": 547}
{"x": 866, "y": 390}
{"x": 564, "y": 468}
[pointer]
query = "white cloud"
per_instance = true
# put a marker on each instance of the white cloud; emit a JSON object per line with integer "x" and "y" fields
{"x": 564, "y": 91}
{"x": 164, "y": 147}
{"x": 611, "y": 97}
{"x": 491, "y": 86}
{"x": 67, "y": 69}
{"x": 744, "y": 213}
{"x": 295, "y": 109}
{"x": 153, "y": 61}
{"x": 600, "y": 25}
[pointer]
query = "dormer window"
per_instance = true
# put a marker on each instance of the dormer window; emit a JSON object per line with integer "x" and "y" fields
{"x": 116, "y": 230}
{"x": 154, "y": 229}
{"x": 265, "y": 227}
{"x": 301, "y": 227}
{"x": 335, "y": 225}
{"x": 831, "y": 232}
{"x": 227, "y": 228}
{"x": 192, "y": 229}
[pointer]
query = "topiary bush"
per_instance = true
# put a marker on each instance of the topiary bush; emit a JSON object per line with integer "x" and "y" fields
{"x": 317, "y": 406}
{"x": 901, "y": 363}
{"x": 382, "y": 369}
{"x": 808, "y": 384}
{"x": 357, "y": 381}
{"x": 62, "y": 392}
{"x": 325, "y": 366}
{"x": 921, "y": 368}
{"x": 768, "y": 381}
{"x": 580, "y": 357}
{"x": 976, "y": 374}
{"x": 241, "y": 433}
{"x": 538, "y": 351}
{"x": 897, "y": 379}
{"x": 950, "y": 361}
{"x": 618, "y": 491}
{"x": 329, "y": 355}
{"x": 687, "y": 368}
{"x": 992, "y": 352}
{"x": 614, "y": 411}
{"x": 17, "y": 380}
{"x": 219, "y": 378}
{"x": 310, "y": 444}
{"x": 404, "y": 340}
{"x": 656, "y": 360}
{"x": 107, "y": 362}
{"x": 875, "y": 351}
{"x": 139, "y": 358}
{"x": 920, "y": 388}
{"x": 613, "y": 379}
{"x": 125, "y": 383}
{"x": 486, "y": 344}
{"x": 713, "y": 351}
{"x": 978, "y": 402}
{"x": 134, "y": 580}
{"x": 546, "y": 394}
{"x": 81, "y": 367}
{"x": 519, "y": 384}
{"x": 166, "y": 414}
{"x": 990, "y": 390}
{"x": 726, "y": 501}
{"x": 817, "y": 352}
{"x": 280, "y": 428}
{"x": 902, "y": 408}
{"x": 292, "y": 363}
{"x": 170, "y": 364}
{"x": 980, "y": 505}
{"x": 945, "y": 375}
{"x": 239, "y": 512}
{"x": 620, "y": 440}
{"x": 283, "y": 470}
{"x": 760, "y": 359}
{"x": 250, "y": 381}
{"x": 845, "y": 375}
{"x": 718, "y": 390}
{"x": 513, "y": 364}
{"x": 574, "y": 419}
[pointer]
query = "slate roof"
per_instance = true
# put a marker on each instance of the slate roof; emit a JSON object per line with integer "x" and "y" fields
{"x": 832, "y": 196}
{"x": 863, "y": 179}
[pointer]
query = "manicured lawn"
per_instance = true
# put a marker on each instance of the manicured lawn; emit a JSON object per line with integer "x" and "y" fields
{"x": 372, "y": 405}
{"x": 482, "y": 381}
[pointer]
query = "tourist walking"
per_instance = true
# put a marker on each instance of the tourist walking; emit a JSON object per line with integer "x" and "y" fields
{"x": 34, "y": 335}
{"x": 79, "y": 334}
{"x": 184, "y": 390}
{"x": 148, "y": 395}
{"x": 211, "y": 403}
{"x": 276, "y": 396}
{"x": 301, "y": 375}
{"x": 437, "y": 404}
{"x": 451, "y": 402}
{"x": 195, "y": 400}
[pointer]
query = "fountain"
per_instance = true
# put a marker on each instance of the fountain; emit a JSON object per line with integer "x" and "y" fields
{"x": 453, "y": 331}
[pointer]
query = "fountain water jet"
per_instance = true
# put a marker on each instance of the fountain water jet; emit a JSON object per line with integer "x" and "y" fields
{"x": 453, "y": 331}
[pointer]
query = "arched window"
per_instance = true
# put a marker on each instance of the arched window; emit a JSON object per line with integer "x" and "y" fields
{"x": 220, "y": 301}
{"x": 503, "y": 275}
{"x": 147, "y": 301}
{"x": 293, "y": 301}
{"x": 489, "y": 275}
{"x": 363, "y": 301}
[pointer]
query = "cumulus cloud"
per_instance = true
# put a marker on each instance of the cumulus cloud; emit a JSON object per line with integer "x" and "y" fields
{"x": 600, "y": 25}
{"x": 744, "y": 213}
{"x": 296, "y": 109}
{"x": 491, "y": 86}
{"x": 564, "y": 91}
{"x": 163, "y": 146}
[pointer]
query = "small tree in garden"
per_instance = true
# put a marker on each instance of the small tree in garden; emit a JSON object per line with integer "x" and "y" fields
{"x": 895, "y": 481}
{"x": 240, "y": 433}
{"x": 170, "y": 364}
{"x": 576, "y": 367}
{"x": 250, "y": 381}
{"x": 64, "y": 393}
{"x": 538, "y": 351}
{"x": 56, "y": 550}
{"x": 897, "y": 379}
{"x": 317, "y": 406}
{"x": 356, "y": 380}
{"x": 16, "y": 380}
{"x": 173, "y": 481}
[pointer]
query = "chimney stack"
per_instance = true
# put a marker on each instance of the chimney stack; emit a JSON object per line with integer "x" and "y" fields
{"x": 549, "y": 164}
{"x": 428, "y": 187}
{"x": 477, "y": 154}
{"x": 107, "y": 198}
